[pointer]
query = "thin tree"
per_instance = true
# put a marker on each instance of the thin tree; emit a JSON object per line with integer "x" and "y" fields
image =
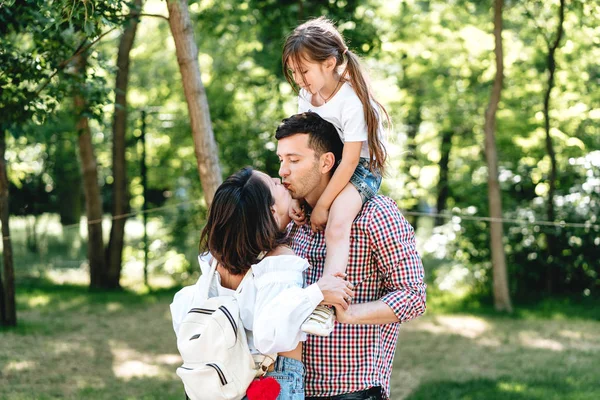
{"x": 413, "y": 123}
{"x": 120, "y": 198}
{"x": 89, "y": 172}
{"x": 443, "y": 185}
{"x": 501, "y": 294}
{"x": 187, "y": 56}
{"x": 8, "y": 311}
{"x": 551, "y": 64}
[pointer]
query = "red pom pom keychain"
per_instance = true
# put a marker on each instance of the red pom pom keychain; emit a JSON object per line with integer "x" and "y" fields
{"x": 263, "y": 389}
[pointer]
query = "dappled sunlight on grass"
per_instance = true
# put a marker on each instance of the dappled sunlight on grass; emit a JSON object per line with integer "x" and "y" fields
{"x": 73, "y": 276}
{"x": 511, "y": 387}
{"x": 19, "y": 366}
{"x": 129, "y": 363}
{"x": 113, "y": 307}
{"x": 533, "y": 340}
{"x": 38, "y": 300}
{"x": 82, "y": 344}
{"x": 463, "y": 325}
{"x": 496, "y": 357}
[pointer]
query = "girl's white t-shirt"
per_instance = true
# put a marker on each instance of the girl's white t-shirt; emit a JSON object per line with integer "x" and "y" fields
{"x": 273, "y": 303}
{"x": 345, "y": 111}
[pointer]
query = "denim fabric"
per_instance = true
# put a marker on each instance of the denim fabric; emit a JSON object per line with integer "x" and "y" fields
{"x": 290, "y": 375}
{"x": 366, "y": 182}
{"x": 373, "y": 393}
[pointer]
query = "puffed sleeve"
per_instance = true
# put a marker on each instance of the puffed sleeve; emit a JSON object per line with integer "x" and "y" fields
{"x": 183, "y": 299}
{"x": 182, "y": 303}
{"x": 282, "y": 304}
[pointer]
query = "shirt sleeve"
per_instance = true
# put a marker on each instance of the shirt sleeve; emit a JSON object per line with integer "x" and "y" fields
{"x": 393, "y": 242}
{"x": 354, "y": 126}
{"x": 281, "y": 307}
{"x": 303, "y": 102}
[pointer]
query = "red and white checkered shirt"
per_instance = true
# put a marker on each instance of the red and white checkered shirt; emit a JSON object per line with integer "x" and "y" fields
{"x": 383, "y": 265}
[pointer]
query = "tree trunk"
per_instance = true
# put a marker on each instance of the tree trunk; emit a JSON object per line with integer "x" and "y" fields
{"x": 68, "y": 186}
{"x": 443, "y": 188}
{"x": 8, "y": 311}
{"x": 413, "y": 124}
{"x": 553, "y": 277}
{"x": 120, "y": 198}
{"x": 187, "y": 57}
{"x": 89, "y": 171}
{"x": 501, "y": 294}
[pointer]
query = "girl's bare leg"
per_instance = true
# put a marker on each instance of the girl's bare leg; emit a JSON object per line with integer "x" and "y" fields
{"x": 344, "y": 209}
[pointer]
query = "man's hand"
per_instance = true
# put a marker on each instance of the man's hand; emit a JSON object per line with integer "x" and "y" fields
{"x": 336, "y": 291}
{"x": 318, "y": 218}
{"x": 297, "y": 213}
{"x": 343, "y": 315}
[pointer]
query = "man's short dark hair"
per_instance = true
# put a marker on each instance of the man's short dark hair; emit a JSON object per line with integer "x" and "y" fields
{"x": 322, "y": 135}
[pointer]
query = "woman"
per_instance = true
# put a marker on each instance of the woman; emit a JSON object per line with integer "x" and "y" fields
{"x": 246, "y": 230}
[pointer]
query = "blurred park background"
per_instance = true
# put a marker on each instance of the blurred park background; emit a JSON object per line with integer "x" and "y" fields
{"x": 114, "y": 135}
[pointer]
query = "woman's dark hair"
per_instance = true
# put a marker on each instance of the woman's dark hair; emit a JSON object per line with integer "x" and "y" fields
{"x": 240, "y": 223}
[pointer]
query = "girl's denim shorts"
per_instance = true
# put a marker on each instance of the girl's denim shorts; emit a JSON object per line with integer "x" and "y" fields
{"x": 366, "y": 182}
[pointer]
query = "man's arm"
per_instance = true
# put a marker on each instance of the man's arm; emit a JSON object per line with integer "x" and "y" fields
{"x": 392, "y": 241}
{"x": 371, "y": 313}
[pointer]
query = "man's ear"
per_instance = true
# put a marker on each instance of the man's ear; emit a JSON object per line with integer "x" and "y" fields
{"x": 327, "y": 162}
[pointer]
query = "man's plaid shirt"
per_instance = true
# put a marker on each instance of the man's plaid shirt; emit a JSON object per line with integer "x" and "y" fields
{"x": 383, "y": 265}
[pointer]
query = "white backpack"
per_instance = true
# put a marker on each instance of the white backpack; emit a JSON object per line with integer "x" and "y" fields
{"x": 217, "y": 363}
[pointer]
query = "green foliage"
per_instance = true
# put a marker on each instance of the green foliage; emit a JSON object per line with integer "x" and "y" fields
{"x": 431, "y": 64}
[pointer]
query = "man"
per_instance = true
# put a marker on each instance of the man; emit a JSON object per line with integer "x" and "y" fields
{"x": 355, "y": 361}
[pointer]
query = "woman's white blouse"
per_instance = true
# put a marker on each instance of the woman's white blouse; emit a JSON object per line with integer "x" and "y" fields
{"x": 273, "y": 303}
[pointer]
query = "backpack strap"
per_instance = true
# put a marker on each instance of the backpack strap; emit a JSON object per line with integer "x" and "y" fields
{"x": 211, "y": 274}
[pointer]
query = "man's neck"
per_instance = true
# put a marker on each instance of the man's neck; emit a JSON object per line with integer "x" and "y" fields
{"x": 313, "y": 197}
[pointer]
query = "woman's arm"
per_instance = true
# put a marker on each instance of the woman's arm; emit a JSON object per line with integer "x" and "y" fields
{"x": 281, "y": 308}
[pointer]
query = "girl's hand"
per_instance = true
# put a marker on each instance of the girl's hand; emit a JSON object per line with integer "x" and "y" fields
{"x": 336, "y": 291}
{"x": 318, "y": 218}
{"x": 297, "y": 212}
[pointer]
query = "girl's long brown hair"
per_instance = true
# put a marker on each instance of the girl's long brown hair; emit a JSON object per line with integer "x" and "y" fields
{"x": 317, "y": 40}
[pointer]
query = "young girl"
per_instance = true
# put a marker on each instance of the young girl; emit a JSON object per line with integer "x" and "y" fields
{"x": 333, "y": 85}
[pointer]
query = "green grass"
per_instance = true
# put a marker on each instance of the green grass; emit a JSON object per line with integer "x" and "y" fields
{"x": 73, "y": 344}
{"x": 545, "y": 351}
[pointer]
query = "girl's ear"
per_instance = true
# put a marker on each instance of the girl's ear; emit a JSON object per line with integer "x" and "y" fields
{"x": 330, "y": 63}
